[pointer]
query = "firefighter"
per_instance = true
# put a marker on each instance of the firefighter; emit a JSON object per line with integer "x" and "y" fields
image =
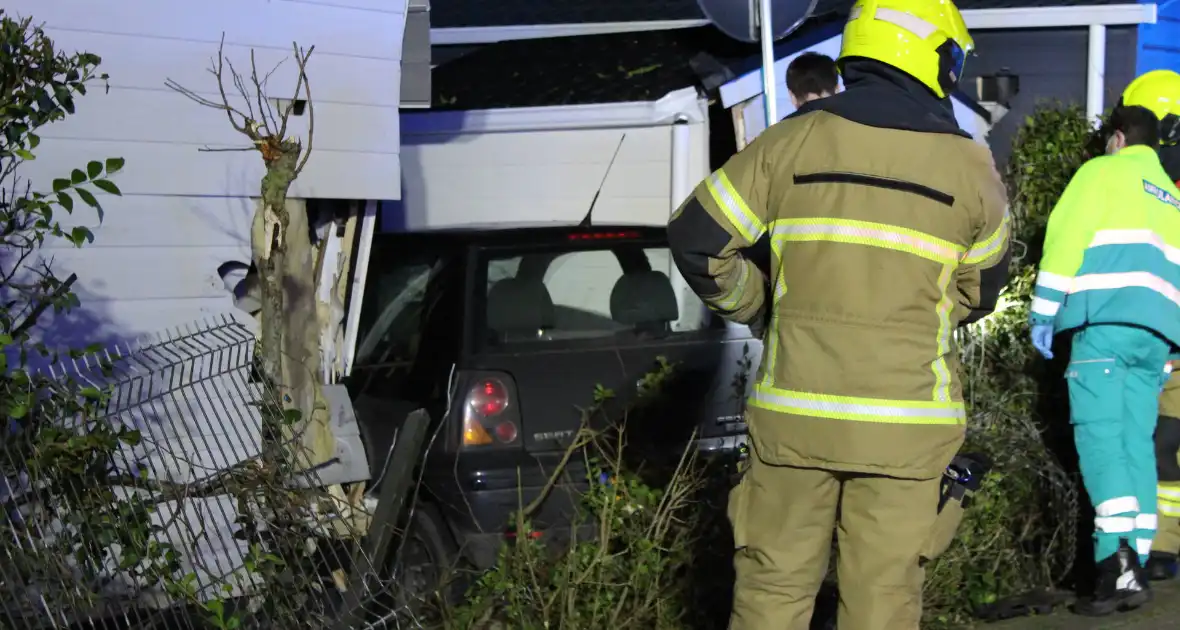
{"x": 1107, "y": 276}
{"x": 887, "y": 227}
{"x": 1160, "y": 90}
{"x": 1162, "y": 563}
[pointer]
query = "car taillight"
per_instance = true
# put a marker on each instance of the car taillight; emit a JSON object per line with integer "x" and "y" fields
{"x": 486, "y": 401}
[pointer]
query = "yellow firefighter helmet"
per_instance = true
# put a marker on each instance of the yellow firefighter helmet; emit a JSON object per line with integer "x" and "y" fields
{"x": 1159, "y": 92}
{"x": 925, "y": 39}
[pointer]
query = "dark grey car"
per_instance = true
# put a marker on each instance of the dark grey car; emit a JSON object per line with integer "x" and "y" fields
{"x": 501, "y": 334}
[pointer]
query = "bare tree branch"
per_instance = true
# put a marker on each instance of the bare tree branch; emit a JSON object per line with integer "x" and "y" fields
{"x": 245, "y": 126}
{"x": 301, "y": 59}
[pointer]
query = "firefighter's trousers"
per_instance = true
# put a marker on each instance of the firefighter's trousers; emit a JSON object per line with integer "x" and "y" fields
{"x": 783, "y": 518}
{"x": 1167, "y": 455}
{"x": 1115, "y": 374}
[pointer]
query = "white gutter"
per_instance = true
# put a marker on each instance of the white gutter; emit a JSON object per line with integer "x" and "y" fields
{"x": 1096, "y": 73}
{"x": 683, "y": 181}
{"x": 977, "y": 19}
{"x": 681, "y": 162}
{"x": 493, "y": 34}
{"x": 1060, "y": 17}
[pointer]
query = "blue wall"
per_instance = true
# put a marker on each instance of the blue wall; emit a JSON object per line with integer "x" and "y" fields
{"x": 1159, "y": 43}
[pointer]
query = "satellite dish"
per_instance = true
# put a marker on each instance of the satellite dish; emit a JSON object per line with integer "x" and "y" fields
{"x": 739, "y": 18}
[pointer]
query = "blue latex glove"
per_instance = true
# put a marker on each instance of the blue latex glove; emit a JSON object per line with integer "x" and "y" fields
{"x": 1042, "y": 339}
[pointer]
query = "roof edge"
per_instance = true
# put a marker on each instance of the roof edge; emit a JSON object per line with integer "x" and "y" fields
{"x": 1060, "y": 17}
{"x": 1017, "y": 17}
{"x": 493, "y": 34}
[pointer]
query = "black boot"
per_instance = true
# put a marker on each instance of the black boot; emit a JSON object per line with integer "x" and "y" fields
{"x": 1122, "y": 584}
{"x": 1162, "y": 565}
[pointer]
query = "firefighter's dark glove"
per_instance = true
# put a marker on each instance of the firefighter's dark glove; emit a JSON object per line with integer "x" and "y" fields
{"x": 758, "y": 326}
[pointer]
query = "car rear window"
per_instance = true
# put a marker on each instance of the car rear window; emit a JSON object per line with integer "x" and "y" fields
{"x": 594, "y": 292}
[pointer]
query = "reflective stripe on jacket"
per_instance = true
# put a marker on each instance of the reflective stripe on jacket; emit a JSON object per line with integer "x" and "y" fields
{"x": 878, "y": 239}
{"x": 1112, "y": 248}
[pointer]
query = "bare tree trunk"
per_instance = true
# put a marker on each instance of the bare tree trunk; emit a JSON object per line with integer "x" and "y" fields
{"x": 282, "y": 250}
{"x": 280, "y": 241}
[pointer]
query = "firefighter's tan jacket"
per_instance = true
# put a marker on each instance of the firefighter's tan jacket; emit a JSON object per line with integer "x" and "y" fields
{"x": 878, "y": 237}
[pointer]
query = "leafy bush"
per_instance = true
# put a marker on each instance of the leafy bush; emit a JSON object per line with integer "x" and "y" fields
{"x": 1019, "y": 534}
{"x": 57, "y": 547}
{"x": 83, "y": 530}
{"x": 630, "y": 573}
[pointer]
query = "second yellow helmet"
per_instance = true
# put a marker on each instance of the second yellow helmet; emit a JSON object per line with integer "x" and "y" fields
{"x": 1159, "y": 92}
{"x": 926, "y": 39}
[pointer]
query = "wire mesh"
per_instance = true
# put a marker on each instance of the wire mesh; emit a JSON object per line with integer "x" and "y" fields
{"x": 158, "y": 490}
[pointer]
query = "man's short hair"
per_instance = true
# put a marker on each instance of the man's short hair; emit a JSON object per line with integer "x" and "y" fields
{"x": 1138, "y": 124}
{"x": 812, "y": 73}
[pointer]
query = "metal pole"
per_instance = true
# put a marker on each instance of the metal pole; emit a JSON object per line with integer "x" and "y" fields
{"x": 769, "y": 93}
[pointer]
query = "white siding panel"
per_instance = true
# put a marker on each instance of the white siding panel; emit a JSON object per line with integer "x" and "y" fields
{"x": 134, "y": 115}
{"x": 127, "y": 319}
{"x": 538, "y": 177}
{"x": 154, "y": 221}
{"x": 334, "y": 78}
{"x": 111, "y": 321}
{"x": 170, "y": 169}
{"x": 257, "y": 23}
{"x": 147, "y": 273}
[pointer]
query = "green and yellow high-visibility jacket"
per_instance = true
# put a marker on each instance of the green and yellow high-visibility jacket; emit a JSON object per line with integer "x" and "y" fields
{"x": 1112, "y": 248}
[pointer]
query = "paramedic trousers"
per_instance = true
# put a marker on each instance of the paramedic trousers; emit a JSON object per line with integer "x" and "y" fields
{"x": 1114, "y": 376}
{"x": 783, "y": 518}
{"x": 1167, "y": 455}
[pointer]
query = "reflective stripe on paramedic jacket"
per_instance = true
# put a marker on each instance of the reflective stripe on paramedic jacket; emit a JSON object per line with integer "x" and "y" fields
{"x": 874, "y": 262}
{"x": 1112, "y": 248}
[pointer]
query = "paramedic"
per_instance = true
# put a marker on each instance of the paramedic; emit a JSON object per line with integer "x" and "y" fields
{"x": 888, "y": 227}
{"x": 1105, "y": 275}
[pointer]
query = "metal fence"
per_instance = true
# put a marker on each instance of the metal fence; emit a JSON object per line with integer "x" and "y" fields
{"x": 152, "y": 486}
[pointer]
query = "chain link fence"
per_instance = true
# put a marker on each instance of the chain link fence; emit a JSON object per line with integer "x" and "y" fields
{"x": 167, "y": 498}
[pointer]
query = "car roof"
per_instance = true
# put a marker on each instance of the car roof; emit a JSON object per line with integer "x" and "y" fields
{"x": 507, "y": 233}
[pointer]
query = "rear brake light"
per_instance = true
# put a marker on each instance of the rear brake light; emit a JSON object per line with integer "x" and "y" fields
{"x": 599, "y": 236}
{"x": 506, "y": 432}
{"x": 486, "y": 400}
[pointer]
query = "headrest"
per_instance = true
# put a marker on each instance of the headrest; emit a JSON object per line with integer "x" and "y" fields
{"x": 644, "y": 297}
{"x": 517, "y": 305}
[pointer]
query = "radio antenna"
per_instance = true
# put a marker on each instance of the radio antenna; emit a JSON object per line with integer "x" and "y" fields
{"x": 589, "y": 213}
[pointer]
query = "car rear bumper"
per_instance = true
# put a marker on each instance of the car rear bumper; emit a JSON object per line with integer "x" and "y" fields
{"x": 480, "y": 496}
{"x": 479, "y": 499}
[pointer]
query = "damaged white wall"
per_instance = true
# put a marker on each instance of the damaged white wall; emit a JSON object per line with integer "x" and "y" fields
{"x": 155, "y": 257}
